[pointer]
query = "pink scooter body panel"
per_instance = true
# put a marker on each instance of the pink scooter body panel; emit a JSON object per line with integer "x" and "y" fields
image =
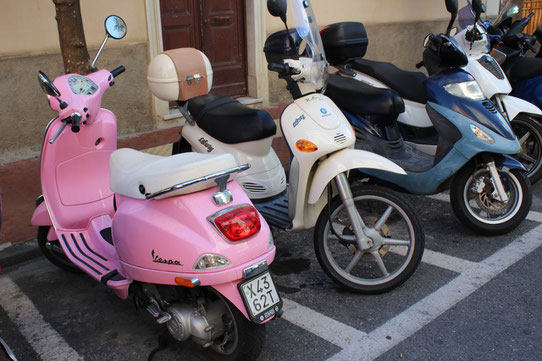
{"x": 75, "y": 172}
{"x": 176, "y": 229}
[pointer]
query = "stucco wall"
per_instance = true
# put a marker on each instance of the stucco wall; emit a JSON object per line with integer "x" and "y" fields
{"x": 24, "y": 112}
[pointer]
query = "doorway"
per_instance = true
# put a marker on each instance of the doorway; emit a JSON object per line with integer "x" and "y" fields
{"x": 216, "y": 27}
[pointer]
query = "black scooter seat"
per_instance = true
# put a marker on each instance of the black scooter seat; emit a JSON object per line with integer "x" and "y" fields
{"x": 409, "y": 84}
{"x": 363, "y": 99}
{"x": 526, "y": 68}
{"x": 229, "y": 121}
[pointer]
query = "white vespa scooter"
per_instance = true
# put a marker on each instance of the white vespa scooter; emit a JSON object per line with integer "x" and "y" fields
{"x": 525, "y": 117}
{"x": 367, "y": 239}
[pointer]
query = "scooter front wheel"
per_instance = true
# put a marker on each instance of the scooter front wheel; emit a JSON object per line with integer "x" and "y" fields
{"x": 242, "y": 340}
{"x": 475, "y": 201}
{"x": 529, "y": 133}
{"x": 53, "y": 251}
{"x": 392, "y": 226}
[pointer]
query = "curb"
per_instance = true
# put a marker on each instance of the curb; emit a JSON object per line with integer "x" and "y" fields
{"x": 18, "y": 253}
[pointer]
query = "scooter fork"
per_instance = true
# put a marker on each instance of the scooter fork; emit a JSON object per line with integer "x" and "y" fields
{"x": 497, "y": 182}
{"x": 358, "y": 226}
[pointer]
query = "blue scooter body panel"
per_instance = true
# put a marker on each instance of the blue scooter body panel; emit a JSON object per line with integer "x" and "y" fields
{"x": 462, "y": 113}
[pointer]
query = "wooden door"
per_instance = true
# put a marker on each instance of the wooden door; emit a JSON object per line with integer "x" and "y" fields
{"x": 216, "y": 27}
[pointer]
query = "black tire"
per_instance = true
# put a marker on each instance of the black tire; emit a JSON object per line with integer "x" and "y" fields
{"x": 181, "y": 146}
{"x": 479, "y": 211}
{"x": 247, "y": 342}
{"x": 529, "y": 133}
{"x": 366, "y": 276}
{"x": 53, "y": 251}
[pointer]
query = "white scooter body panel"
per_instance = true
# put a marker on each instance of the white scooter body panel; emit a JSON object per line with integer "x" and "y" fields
{"x": 515, "y": 106}
{"x": 489, "y": 83}
{"x": 265, "y": 177}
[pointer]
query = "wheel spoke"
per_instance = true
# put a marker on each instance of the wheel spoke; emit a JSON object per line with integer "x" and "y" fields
{"x": 354, "y": 261}
{"x": 395, "y": 242}
{"x": 348, "y": 237}
{"x": 384, "y": 218}
{"x": 527, "y": 157}
{"x": 523, "y": 139}
{"x": 380, "y": 263}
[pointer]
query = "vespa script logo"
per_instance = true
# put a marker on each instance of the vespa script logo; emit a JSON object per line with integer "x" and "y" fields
{"x": 158, "y": 259}
{"x": 206, "y": 144}
{"x": 298, "y": 120}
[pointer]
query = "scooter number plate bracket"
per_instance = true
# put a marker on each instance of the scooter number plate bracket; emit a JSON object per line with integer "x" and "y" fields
{"x": 260, "y": 297}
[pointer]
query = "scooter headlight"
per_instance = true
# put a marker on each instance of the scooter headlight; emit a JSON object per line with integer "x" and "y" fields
{"x": 211, "y": 261}
{"x": 468, "y": 90}
{"x": 480, "y": 134}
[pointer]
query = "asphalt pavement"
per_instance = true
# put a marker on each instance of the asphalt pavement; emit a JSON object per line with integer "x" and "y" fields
{"x": 472, "y": 298}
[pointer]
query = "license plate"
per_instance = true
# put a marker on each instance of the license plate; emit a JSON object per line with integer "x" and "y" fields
{"x": 261, "y": 297}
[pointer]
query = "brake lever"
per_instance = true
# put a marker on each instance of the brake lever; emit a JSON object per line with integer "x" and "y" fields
{"x": 64, "y": 124}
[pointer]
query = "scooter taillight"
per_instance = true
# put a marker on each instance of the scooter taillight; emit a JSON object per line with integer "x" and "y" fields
{"x": 237, "y": 223}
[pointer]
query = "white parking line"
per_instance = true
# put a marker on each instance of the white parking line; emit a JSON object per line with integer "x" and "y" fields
{"x": 450, "y": 263}
{"x": 426, "y": 310}
{"x": 47, "y": 343}
{"x": 322, "y": 326}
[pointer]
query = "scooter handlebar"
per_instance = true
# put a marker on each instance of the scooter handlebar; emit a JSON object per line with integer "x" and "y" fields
{"x": 117, "y": 71}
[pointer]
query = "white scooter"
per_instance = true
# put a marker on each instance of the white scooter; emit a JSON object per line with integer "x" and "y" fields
{"x": 367, "y": 239}
{"x": 524, "y": 116}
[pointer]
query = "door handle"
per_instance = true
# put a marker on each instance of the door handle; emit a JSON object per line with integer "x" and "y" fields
{"x": 222, "y": 18}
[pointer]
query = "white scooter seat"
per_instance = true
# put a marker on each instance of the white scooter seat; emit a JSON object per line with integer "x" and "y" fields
{"x": 135, "y": 174}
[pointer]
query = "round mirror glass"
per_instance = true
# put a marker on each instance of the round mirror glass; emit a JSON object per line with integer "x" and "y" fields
{"x": 115, "y": 27}
{"x": 47, "y": 85}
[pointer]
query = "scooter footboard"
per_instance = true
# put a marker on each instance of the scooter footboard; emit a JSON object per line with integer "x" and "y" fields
{"x": 346, "y": 160}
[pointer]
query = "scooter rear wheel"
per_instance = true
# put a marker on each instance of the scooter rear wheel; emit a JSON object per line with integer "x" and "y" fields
{"x": 53, "y": 251}
{"x": 474, "y": 204}
{"x": 244, "y": 340}
{"x": 391, "y": 223}
{"x": 529, "y": 133}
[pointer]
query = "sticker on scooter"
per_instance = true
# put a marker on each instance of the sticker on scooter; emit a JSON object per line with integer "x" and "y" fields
{"x": 158, "y": 259}
{"x": 206, "y": 144}
{"x": 298, "y": 120}
{"x": 325, "y": 112}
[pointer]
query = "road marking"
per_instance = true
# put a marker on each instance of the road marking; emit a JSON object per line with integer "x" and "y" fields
{"x": 426, "y": 310}
{"x": 450, "y": 263}
{"x": 322, "y": 326}
{"x": 47, "y": 343}
{"x": 445, "y": 197}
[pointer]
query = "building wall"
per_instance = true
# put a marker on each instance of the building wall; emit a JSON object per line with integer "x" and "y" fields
{"x": 29, "y": 34}
{"x": 30, "y": 43}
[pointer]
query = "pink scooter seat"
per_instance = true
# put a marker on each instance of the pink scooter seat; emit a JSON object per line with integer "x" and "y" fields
{"x": 136, "y": 174}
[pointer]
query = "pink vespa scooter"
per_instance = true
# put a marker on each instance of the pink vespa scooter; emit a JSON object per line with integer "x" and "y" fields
{"x": 153, "y": 228}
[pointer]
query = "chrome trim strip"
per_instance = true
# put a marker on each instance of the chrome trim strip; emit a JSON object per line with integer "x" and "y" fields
{"x": 178, "y": 186}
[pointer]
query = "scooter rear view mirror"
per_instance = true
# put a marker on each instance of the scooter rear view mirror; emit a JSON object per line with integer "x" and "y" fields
{"x": 115, "y": 27}
{"x": 47, "y": 85}
{"x": 278, "y": 8}
{"x": 478, "y": 7}
{"x": 452, "y": 6}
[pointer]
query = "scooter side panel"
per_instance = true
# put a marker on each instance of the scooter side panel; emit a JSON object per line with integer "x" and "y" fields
{"x": 515, "y": 106}
{"x": 171, "y": 234}
{"x": 75, "y": 172}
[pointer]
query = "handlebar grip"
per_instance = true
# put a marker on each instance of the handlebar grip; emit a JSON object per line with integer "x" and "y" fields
{"x": 76, "y": 122}
{"x": 117, "y": 71}
{"x": 282, "y": 69}
{"x": 420, "y": 64}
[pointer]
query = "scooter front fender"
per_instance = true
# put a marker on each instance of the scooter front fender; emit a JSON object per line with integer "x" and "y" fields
{"x": 345, "y": 160}
{"x": 504, "y": 160}
{"x": 515, "y": 106}
{"x": 41, "y": 216}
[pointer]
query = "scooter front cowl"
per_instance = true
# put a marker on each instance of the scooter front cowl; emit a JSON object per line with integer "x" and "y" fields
{"x": 158, "y": 240}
